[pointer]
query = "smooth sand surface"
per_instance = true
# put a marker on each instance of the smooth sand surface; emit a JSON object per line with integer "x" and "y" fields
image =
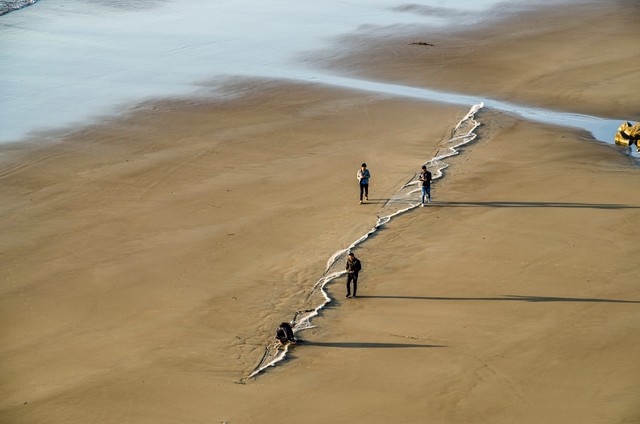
{"x": 147, "y": 261}
{"x": 164, "y": 249}
{"x": 581, "y": 58}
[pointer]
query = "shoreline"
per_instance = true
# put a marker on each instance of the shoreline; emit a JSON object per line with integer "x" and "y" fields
{"x": 504, "y": 56}
{"x": 82, "y": 84}
{"x": 600, "y": 128}
{"x": 359, "y": 55}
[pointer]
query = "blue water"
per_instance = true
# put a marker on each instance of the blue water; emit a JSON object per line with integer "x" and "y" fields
{"x": 66, "y": 62}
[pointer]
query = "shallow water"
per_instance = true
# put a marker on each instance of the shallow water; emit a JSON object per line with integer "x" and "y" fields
{"x": 65, "y": 62}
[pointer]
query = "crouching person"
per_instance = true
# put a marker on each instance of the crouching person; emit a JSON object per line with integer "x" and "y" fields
{"x": 284, "y": 334}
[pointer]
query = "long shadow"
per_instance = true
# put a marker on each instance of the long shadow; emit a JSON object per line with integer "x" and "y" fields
{"x": 536, "y": 205}
{"x": 507, "y": 298}
{"x": 367, "y": 345}
{"x": 375, "y": 202}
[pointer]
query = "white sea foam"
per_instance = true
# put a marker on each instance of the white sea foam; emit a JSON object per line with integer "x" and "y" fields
{"x": 403, "y": 200}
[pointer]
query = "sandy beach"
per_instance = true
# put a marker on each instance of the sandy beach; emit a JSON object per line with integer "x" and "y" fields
{"x": 148, "y": 259}
{"x": 577, "y": 59}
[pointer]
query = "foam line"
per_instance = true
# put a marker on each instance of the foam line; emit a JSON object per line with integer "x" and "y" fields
{"x": 302, "y": 323}
{"x": 334, "y": 258}
{"x": 302, "y": 319}
{"x": 271, "y": 363}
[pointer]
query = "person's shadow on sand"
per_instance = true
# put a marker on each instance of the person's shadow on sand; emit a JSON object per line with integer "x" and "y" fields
{"x": 536, "y": 205}
{"x": 369, "y": 345}
{"x": 507, "y": 298}
{"x": 375, "y": 202}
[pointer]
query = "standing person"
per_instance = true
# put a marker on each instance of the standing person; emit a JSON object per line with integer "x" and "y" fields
{"x": 353, "y": 268}
{"x": 425, "y": 177}
{"x": 363, "y": 176}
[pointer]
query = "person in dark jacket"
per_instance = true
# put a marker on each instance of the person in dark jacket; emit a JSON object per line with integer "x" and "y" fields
{"x": 425, "y": 179}
{"x": 363, "y": 176}
{"x": 353, "y": 268}
{"x": 284, "y": 333}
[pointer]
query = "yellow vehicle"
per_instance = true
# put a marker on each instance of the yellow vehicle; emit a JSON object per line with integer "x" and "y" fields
{"x": 628, "y": 135}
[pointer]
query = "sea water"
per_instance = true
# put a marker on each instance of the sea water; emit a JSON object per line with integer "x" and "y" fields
{"x": 66, "y": 62}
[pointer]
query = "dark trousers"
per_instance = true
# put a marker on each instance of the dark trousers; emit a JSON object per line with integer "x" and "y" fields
{"x": 364, "y": 188}
{"x": 352, "y": 278}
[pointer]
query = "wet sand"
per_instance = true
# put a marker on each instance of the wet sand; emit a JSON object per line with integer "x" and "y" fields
{"x": 148, "y": 260}
{"x": 575, "y": 59}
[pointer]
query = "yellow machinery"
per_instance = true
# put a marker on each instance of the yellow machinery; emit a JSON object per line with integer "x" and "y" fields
{"x": 628, "y": 135}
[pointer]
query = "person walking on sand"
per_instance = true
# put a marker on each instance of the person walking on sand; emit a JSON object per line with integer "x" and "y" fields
{"x": 353, "y": 268}
{"x": 363, "y": 176}
{"x": 425, "y": 178}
